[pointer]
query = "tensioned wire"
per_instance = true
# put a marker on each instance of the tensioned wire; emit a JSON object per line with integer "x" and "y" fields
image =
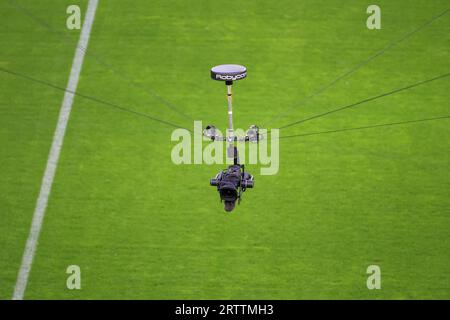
{"x": 356, "y": 67}
{"x": 365, "y": 127}
{"x": 172, "y": 107}
{"x": 174, "y": 125}
{"x": 120, "y": 74}
{"x": 91, "y": 98}
{"x": 355, "y": 104}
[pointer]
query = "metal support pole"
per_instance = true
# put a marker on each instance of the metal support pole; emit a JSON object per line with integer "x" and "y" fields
{"x": 230, "y": 131}
{"x": 230, "y": 114}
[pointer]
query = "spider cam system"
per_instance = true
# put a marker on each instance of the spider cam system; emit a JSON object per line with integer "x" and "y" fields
{"x": 233, "y": 181}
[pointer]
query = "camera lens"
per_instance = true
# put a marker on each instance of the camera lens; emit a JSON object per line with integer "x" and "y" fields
{"x": 247, "y": 183}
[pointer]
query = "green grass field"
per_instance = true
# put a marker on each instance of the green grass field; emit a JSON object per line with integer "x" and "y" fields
{"x": 141, "y": 227}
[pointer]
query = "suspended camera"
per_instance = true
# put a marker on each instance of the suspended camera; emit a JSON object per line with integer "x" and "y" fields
{"x": 234, "y": 180}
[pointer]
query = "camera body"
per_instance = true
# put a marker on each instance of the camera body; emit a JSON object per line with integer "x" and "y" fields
{"x": 230, "y": 184}
{"x": 233, "y": 181}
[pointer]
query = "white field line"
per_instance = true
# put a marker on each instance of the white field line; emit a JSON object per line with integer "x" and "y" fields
{"x": 47, "y": 181}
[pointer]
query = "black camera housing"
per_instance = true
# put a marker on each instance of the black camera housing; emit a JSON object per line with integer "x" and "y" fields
{"x": 230, "y": 184}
